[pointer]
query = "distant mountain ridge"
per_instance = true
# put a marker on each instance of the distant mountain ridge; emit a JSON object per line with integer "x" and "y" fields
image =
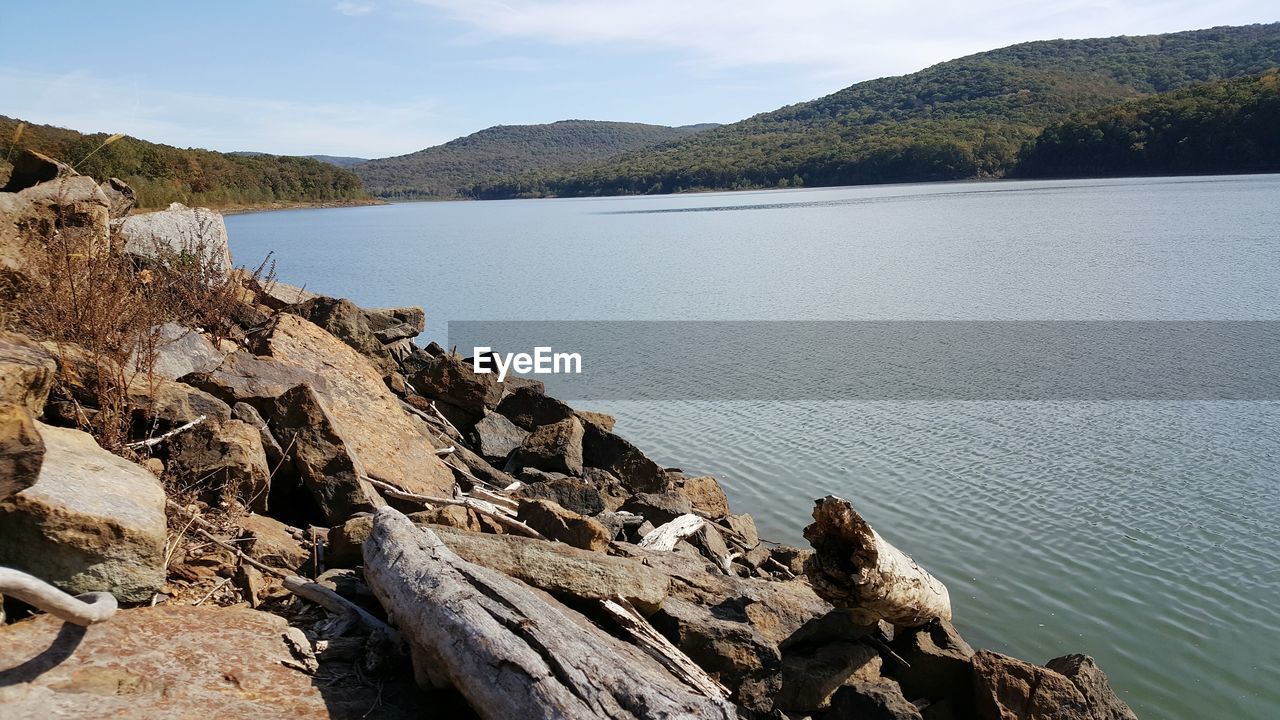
{"x": 339, "y": 160}
{"x": 453, "y": 169}
{"x": 965, "y": 118}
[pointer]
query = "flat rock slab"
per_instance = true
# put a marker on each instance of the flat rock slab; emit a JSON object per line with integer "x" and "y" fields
{"x": 91, "y": 522}
{"x": 177, "y": 231}
{"x": 390, "y": 445}
{"x": 160, "y": 662}
{"x": 181, "y": 351}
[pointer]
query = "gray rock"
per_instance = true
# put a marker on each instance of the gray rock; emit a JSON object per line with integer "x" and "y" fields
{"x": 570, "y": 493}
{"x": 120, "y": 197}
{"x": 612, "y": 494}
{"x": 182, "y": 351}
{"x": 534, "y": 475}
{"x": 251, "y": 379}
{"x": 557, "y": 523}
{"x": 556, "y": 448}
{"x": 496, "y": 437}
{"x": 745, "y": 526}
{"x": 278, "y": 295}
{"x": 455, "y": 384}
{"x": 74, "y": 207}
{"x": 407, "y": 321}
{"x": 246, "y": 413}
{"x": 91, "y": 522}
{"x": 176, "y": 232}
{"x": 349, "y": 323}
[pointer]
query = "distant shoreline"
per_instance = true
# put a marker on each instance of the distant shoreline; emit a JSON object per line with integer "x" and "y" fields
{"x": 269, "y": 207}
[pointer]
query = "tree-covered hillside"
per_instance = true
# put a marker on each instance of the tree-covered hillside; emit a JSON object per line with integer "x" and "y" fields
{"x": 161, "y": 174}
{"x": 1224, "y": 126}
{"x": 451, "y": 170}
{"x": 960, "y": 119}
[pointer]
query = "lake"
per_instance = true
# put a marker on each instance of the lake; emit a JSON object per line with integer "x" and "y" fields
{"x": 1143, "y": 532}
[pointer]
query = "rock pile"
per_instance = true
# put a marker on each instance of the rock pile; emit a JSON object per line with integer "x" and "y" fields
{"x": 524, "y": 554}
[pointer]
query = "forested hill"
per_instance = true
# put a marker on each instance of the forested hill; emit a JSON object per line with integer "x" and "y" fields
{"x": 1223, "y": 126}
{"x": 161, "y": 174}
{"x": 960, "y": 119}
{"x": 451, "y": 170}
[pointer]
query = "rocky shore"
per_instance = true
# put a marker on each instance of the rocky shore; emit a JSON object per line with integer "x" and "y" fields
{"x": 309, "y": 515}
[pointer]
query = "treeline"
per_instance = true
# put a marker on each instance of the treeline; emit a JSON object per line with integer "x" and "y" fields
{"x": 967, "y": 118}
{"x": 1227, "y": 126}
{"x": 453, "y": 169}
{"x": 162, "y": 174}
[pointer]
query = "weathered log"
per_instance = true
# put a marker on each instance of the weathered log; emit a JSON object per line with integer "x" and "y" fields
{"x": 665, "y": 536}
{"x": 506, "y": 650}
{"x": 85, "y": 609}
{"x": 853, "y": 567}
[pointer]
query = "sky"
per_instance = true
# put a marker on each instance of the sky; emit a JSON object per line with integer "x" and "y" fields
{"x": 375, "y": 78}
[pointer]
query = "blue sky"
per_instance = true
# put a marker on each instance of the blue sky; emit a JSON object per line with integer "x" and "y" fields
{"x": 373, "y": 78}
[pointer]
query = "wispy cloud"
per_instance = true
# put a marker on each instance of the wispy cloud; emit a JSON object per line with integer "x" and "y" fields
{"x": 86, "y": 102}
{"x": 852, "y": 37}
{"x": 353, "y": 9}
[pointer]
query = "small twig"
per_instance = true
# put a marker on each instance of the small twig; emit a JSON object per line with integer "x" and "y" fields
{"x": 215, "y": 589}
{"x": 446, "y": 451}
{"x": 488, "y": 509}
{"x": 152, "y": 442}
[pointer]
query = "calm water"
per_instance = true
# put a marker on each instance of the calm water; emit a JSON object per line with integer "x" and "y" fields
{"x": 1143, "y": 533}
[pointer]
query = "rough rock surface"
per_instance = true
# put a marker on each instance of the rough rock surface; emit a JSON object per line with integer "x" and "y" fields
{"x": 26, "y": 376}
{"x": 181, "y": 351}
{"x": 31, "y": 168}
{"x": 271, "y": 542}
{"x": 811, "y": 677}
{"x": 560, "y": 569}
{"x": 605, "y": 450}
{"x": 872, "y": 701}
{"x": 1089, "y": 679}
{"x": 320, "y": 459}
{"x": 453, "y": 381}
{"x": 251, "y": 379}
{"x": 940, "y": 664}
{"x": 390, "y": 444}
{"x": 165, "y": 662}
{"x": 496, "y": 437}
{"x": 91, "y": 522}
{"x": 1006, "y": 688}
{"x": 706, "y": 495}
{"x": 658, "y": 508}
{"x": 225, "y": 459}
{"x": 567, "y": 526}
{"x": 570, "y": 493}
{"x": 74, "y": 206}
{"x": 556, "y": 448}
{"x": 528, "y": 408}
{"x": 177, "y": 230}
{"x": 350, "y": 324}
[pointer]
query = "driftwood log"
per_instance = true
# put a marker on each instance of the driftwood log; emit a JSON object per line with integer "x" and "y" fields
{"x": 505, "y": 649}
{"x": 853, "y": 567}
{"x": 85, "y": 609}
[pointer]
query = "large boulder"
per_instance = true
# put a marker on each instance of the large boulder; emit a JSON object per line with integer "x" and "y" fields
{"x": 31, "y": 168}
{"x": 658, "y": 508}
{"x": 530, "y": 409}
{"x": 247, "y": 378}
{"x": 390, "y": 444}
{"x": 562, "y": 570}
{"x": 349, "y": 323}
{"x": 1007, "y": 688}
{"x": 573, "y": 494}
{"x": 464, "y": 395}
{"x": 705, "y": 493}
{"x": 938, "y": 666}
{"x": 555, "y": 448}
{"x": 182, "y": 351}
{"x": 91, "y": 522}
{"x": 879, "y": 700}
{"x": 496, "y": 437}
{"x": 812, "y": 675}
{"x": 270, "y": 541}
{"x": 26, "y": 376}
{"x": 1089, "y": 679}
{"x": 71, "y": 207}
{"x": 161, "y": 662}
{"x": 567, "y": 526}
{"x": 224, "y": 460}
{"x": 177, "y": 232}
{"x": 321, "y": 460}
{"x": 605, "y": 450}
